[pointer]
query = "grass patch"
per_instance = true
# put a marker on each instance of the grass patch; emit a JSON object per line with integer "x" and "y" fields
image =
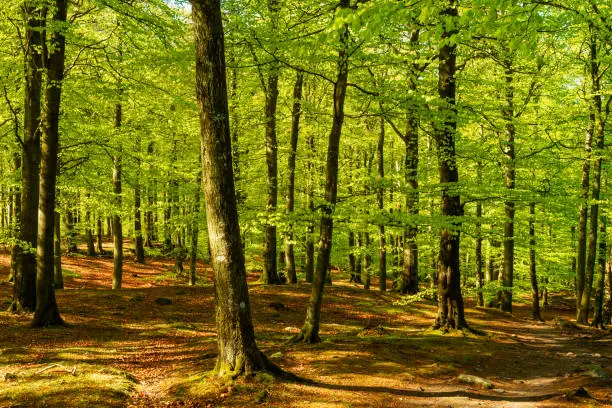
{"x": 91, "y": 386}
{"x": 67, "y": 273}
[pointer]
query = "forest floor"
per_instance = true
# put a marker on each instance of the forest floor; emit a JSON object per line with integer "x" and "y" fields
{"x": 128, "y": 350}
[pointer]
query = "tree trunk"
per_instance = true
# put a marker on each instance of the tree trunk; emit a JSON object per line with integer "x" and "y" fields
{"x": 382, "y": 244}
{"x": 117, "y": 227}
{"x": 535, "y": 299}
{"x": 450, "y": 300}
{"x": 91, "y": 247}
{"x": 367, "y": 263}
{"x": 598, "y": 317}
{"x": 581, "y": 315}
{"x": 24, "y": 289}
{"x": 238, "y": 351}
{"x": 16, "y": 219}
{"x": 270, "y": 273}
{"x": 596, "y": 109}
{"x": 295, "y": 130}
{"x": 510, "y": 176}
{"x": 608, "y": 306}
{"x": 195, "y": 231}
{"x": 57, "y": 253}
{"x": 310, "y": 330}
{"x": 139, "y": 239}
{"x": 47, "y": 313}
{"x": 151, "y": 197}
{"x": 70, "y": 232}
{"x": 310, "y": 249}
{"x": 99, "y": 234}
{"x": 478, "y": 251}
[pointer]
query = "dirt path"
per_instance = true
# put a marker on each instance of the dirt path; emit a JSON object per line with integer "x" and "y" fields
{"x": 131, "y": 351}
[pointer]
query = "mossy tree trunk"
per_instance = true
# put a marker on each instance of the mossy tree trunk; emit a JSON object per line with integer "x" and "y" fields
{"x": 238, "y": 351}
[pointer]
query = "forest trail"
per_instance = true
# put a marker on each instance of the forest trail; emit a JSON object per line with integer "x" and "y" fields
{"x": 130, "y": 350}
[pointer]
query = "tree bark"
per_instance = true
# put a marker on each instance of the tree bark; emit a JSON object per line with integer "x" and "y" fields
{"x": 310, "y": 330}
{"x": 238, "y": 351}
{"x": 24, "y": 289}
{"x": 100, "y": 235}
{"x": 310, "y": 249}
{"x": 290, "y": 199}
{"x": 46, "y": 312}
{"x": 70, "y": 232}
{"x": 450, "y": 300}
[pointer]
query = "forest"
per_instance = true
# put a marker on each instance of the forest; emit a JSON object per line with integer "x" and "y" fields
{"x": 349, "y": 203}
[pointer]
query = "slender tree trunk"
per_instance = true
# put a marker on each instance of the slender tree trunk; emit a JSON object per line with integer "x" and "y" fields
{"x": 57, "y": 252}
{"x": 46, "y": 312}
{"x": 478, "y": 252}
{"x": 409, "y": 281}
{"x": 510, "y": 176}
{"x": 584, "y": 196}
{"x": 596, "y": 108}
{"x": 70, "y": 232}
{"x": 139, "y": 239}
{"x": 151, "y": 197}
{"x": 195, "y": 231}
{"x": 117, "y": 227}
{"x": 16, "y": 219}
{"x": 450, "y": 300}
{"x": 367, "y": 263}
{"x": 352, "y": 261}
{"x": 598, "y": 317}
{"x": 310, "y": 330}
{"x": 270, "y": 273}
{"x": 382, "y": 244}
{"x": 310, "y": 249}
{"x": 238, "y": 351}
{"x": 91, "y": 247}
{"x": 535, "y": 309}
{"x": 99, "y": 236}
{"x": 24, "y": 289}
{"x": 295, "y": 130}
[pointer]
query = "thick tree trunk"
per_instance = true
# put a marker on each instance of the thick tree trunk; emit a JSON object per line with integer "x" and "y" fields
{"x": 535, "y": 298}
{"x": 57, "y": 253}
{"x": 450, "y": 300}
{"x": 47, "y": 313}
{"x": 117, "y": 226}
{"x": 290, "y": 199}
{"x": 238, "y": 351}
{"x": 24, "y": 289}
{"x": 596, "y": 109}
{"x": 598, "y": 317}
{"x": 505, "y": 303}
{"x": 382, "y": 244}
{"x": 310, "y": 330}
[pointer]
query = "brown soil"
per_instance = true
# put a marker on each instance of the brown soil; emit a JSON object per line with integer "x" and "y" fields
{"x": 374, "y": 353}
